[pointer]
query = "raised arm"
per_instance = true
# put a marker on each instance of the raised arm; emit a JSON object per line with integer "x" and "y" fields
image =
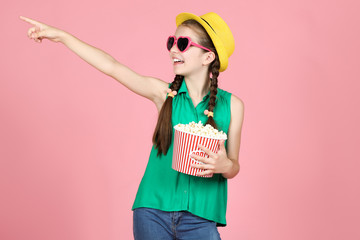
{"x": 149, "y": 87}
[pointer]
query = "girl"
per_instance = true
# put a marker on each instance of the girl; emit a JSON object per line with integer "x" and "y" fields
{"x": 169, "y": 204}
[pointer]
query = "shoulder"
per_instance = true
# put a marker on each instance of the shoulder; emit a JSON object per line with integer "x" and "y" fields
{"x": 223, "y": 96}
{"x": 222, "y": 92}
{"x": 237, "y": 109}
{"x": 237, "y": 103}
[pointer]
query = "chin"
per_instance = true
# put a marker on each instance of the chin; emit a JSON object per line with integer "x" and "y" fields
{"x": 177, "y": 72}
{"x": 180, "y": 72}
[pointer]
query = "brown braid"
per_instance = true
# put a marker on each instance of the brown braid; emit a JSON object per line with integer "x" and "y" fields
{"x": 214, "y": 66}
{"x": 163, "y": 130}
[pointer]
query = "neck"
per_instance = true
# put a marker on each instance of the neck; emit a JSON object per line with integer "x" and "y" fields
{"x": 198, "y": 85}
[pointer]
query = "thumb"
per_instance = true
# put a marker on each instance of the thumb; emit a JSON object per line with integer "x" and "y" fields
{"x": 41, "y": 33}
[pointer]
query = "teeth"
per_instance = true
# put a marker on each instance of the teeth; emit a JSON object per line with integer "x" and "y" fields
{"x": 176, "y": 60}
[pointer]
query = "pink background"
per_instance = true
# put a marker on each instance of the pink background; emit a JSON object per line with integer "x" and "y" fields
{"x": 74, "y": 143}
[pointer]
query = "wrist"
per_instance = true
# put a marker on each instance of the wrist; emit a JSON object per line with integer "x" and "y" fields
{"x": 64, "y": 37}
{"x": 232, "y": 169}
{"x": 228, "y": 166}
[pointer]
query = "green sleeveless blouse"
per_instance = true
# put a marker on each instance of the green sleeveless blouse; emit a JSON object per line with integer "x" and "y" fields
{"x": 168, "y": 190}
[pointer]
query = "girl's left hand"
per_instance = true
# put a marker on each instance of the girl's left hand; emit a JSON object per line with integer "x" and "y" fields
{"x": 215, "y": 163}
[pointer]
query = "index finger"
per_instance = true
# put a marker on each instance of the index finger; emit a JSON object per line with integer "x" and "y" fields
{"x": 29, "y": 20}
{"x": 206, "y": 150}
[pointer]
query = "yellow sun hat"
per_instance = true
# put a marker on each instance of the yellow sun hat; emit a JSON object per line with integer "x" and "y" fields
{"x": 218, "y": 31}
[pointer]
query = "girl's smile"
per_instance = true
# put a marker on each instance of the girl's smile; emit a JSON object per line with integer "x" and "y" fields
{"x": 177, "y": 61}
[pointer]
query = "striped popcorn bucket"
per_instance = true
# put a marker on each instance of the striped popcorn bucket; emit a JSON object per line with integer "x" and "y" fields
{"x": 186, "y": 144}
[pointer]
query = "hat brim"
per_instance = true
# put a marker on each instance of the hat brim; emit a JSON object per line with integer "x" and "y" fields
{"x": 220, "y": 48}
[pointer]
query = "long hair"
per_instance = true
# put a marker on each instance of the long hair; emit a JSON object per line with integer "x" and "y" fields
{"x": 163, "y": 131}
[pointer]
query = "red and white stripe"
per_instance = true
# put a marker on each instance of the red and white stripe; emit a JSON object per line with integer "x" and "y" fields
{"x": 187, "y": 143}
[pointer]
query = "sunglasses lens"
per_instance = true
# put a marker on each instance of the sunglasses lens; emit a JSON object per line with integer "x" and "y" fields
{"x": 170, "y": 43}
{"x": 182, "y": 44}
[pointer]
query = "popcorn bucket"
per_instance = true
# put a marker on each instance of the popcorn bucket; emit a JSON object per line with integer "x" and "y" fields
{"x": 186, "y": 144}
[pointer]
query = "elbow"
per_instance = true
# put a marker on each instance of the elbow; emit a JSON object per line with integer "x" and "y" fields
{"x": 111, "y": 67}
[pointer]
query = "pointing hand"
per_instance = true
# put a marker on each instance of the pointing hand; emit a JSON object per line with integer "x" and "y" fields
{"x": 39, "y": 31}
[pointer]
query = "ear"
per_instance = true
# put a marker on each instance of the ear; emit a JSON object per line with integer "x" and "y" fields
{"x": 209, "y": 57}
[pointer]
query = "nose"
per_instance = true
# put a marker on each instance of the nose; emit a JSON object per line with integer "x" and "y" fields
{"x": 174, "y": 49}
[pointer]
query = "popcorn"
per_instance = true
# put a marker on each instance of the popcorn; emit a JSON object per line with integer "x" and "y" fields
{"x": 187, "y": 137}
{"x": 201, "y": 130}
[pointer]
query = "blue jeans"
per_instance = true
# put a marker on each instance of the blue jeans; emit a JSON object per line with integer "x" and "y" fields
{"x": 153, "y": 224}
